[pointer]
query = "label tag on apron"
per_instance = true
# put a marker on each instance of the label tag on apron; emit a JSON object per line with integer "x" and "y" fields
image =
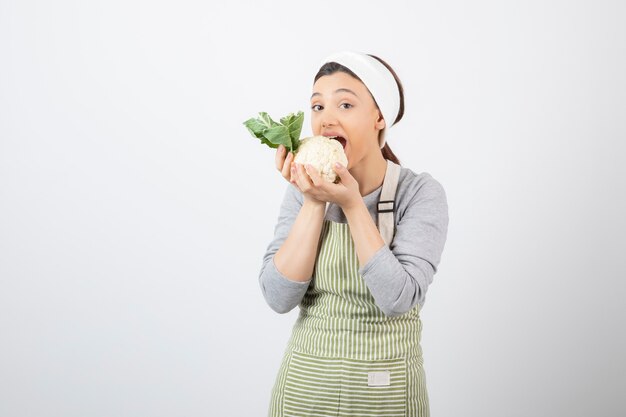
{"x": 379, "y": 379}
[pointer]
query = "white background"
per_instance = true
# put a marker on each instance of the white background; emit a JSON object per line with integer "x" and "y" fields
{"x": 135, "y": 208}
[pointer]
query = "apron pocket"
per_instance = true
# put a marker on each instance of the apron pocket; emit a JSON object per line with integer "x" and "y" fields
{"x": 312, "y": 385}
{"x": 373, "y": 387}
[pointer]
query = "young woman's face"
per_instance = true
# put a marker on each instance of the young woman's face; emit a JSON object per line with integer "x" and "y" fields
{"x": 342, "y": 106}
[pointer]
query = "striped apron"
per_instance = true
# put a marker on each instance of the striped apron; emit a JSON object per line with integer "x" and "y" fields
{"x": 345, "y": 357}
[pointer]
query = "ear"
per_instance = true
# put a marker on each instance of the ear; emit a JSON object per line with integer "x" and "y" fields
{"x": 380, "y": 123}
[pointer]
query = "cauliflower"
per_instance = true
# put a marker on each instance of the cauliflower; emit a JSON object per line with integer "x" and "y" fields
{"x": 320, "y": 151}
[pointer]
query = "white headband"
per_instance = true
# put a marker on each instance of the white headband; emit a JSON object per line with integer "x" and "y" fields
{"x": 378, "y": 80}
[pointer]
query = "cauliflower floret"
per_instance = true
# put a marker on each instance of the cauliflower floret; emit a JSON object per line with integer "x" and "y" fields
{"x": 322, "y": 153}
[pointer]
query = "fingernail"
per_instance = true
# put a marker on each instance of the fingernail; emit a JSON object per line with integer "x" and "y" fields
{"x": 337, "y": 165}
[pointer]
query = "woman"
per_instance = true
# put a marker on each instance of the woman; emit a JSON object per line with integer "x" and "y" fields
{"x": 357, "y": 256}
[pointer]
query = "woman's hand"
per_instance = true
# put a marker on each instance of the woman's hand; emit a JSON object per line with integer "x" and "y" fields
{"x": 345, "y": 194}
{"x": 284, "y": 165}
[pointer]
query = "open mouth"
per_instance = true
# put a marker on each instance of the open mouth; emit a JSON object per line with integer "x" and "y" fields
{"x": 340, "y": 140}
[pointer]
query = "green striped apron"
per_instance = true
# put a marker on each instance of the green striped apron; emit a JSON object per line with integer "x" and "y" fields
{"x": 345, "y": 357}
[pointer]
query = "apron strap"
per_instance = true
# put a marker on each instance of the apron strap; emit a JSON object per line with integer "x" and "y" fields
{"x": 386, "y": 203}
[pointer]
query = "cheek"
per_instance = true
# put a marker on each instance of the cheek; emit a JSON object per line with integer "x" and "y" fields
{"x": 315, "y": 117}
{"x": 360, "y": 124}
{"x": 360, "y": 119}
{"x": 314, "y": 122}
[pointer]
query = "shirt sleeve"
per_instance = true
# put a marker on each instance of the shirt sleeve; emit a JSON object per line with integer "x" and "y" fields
{"x": 399, "y": 275}
{"x": 281, "y": 293}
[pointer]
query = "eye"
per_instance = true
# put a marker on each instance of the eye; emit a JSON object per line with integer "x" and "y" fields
{"x": 315, "y": 107}
{"x": 345, "y": 104}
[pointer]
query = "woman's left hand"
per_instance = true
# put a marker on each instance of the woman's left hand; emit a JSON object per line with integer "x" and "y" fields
{"x": 346, "y": 194}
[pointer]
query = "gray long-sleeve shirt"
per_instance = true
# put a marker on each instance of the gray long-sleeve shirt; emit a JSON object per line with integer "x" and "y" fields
{"x": 397, "y": 276}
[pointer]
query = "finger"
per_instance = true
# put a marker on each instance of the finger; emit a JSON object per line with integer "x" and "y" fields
{"x": 298, "y": 178}
{"x": 285, "y": 167}
{"x": 343, "y": 173}
{"x": 305, "y": 180}
{"x": 293, "y": 180}
{"x": 315, "y": 176}
{"x": 279, "y": 158}
{"x": 294, "y": 174}
{"x": 297, "y": 173}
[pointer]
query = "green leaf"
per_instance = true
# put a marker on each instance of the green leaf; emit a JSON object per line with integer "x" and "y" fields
{"x": 255, "y": 127}
{"x": 273, "y": 134}
{"x": 266, "y": 120}
{"x": 294, "y": 124}
{"x": 278, "y": 135}
{"x": 287, "y": 119}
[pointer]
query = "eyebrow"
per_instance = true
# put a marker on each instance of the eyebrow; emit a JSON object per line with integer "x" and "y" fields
{"x": 339, "y": 90}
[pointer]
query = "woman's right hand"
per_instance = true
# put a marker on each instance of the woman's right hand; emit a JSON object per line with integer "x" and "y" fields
{"x": 284, "y": 164}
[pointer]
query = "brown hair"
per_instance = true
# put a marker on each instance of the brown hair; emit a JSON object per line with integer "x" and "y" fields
{"x": 332, "y": 67}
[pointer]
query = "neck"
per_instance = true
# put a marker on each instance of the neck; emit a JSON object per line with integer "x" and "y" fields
{"x": 370, "y": 172}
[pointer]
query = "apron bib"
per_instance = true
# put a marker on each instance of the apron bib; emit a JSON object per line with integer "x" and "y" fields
{"x": 345, "y": 357}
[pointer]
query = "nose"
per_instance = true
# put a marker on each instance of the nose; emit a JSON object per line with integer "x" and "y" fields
{"x": 328, "y": 119}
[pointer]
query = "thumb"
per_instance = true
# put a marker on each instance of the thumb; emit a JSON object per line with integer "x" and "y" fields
{"x": 343, "y": 173}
